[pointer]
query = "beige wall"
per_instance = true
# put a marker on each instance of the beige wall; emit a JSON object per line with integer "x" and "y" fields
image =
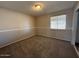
{"x": 14, "y": 26}
{"x": 43, "y": 24}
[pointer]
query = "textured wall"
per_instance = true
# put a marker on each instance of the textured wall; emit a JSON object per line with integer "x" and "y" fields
{"x": 74, "y": 24}
{"x": 43, "y": 26}
{"x": 14, "y": 26}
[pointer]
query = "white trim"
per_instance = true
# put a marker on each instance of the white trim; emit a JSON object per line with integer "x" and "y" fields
{"x": 17, "y": 40}
{"x": 6, "y": 30}
{"x": 76, "y": 50}
{"x": 14, "y": 29}
{"x": 53, "y": 37}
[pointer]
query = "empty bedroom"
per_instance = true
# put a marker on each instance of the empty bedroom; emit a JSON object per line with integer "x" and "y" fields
{"x": 39, "y": 29}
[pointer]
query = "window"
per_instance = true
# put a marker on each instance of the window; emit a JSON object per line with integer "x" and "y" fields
{"x": 58, "y": 22}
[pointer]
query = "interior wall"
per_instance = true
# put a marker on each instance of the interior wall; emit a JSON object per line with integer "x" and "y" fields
{"x": 14, "y": 26}
{"x": 74, "y": 24}
{"x": 43, "y": 26}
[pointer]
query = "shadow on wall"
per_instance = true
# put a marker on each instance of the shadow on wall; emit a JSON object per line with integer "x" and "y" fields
{"x": 14, "y": 26}
{"x": 43, "y": 26}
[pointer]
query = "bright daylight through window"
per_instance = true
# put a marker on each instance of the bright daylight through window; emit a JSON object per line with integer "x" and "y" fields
{"x": 58, "y": 22}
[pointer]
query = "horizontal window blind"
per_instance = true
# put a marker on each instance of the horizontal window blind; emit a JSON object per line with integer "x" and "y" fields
{"x": 58, "y": 22}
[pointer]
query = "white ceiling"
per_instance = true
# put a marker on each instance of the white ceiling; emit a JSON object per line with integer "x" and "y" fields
{"x": 26, "y": 6}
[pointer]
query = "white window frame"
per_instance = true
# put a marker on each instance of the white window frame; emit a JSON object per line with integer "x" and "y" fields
{"x": 57, "y": 23}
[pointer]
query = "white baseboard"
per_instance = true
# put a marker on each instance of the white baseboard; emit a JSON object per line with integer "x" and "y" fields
{"x": 17, "y": 40}
{"x": 76, "y": 50}
{"x": 54, "y": 37}
{"x": 23, "y": 39}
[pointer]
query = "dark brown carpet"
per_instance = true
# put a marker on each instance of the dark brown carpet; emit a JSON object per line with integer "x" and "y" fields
{"x": 39, "y": 46}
